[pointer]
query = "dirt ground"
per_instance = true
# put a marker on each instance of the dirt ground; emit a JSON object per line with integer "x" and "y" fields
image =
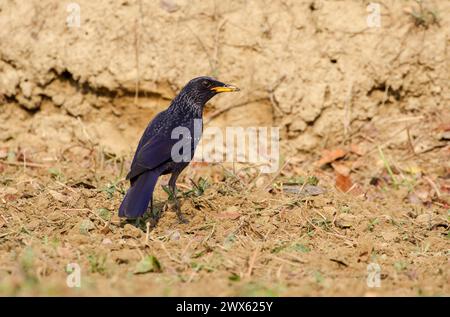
{"x": 242, "y": 239}
{"x": 364, "y": 177}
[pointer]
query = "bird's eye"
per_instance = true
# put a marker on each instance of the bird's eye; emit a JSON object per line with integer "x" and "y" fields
{"x": 205, "y": 83}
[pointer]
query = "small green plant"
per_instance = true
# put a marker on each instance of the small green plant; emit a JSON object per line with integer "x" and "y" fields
{"x": 301, "y": 180}
{"x": 372, "y": 223}
{"x": 168, "y": 192}
{"x": 198, "y": 188}
{"x": 423, "y": 248}
{"x": 111, "y": 188}
{"x": 56, "y": 174}
{"x": 318, "y": 277}
{"x": 229, "y": 241}
{"x": 298, "y": 247}
{"x": 279, "y": 248}
{"x": 255, "y": 289}
{"x": 424, "y": 16}
{"x": 27, "y": 264}
{"x": 323, "y": 223}
{"x": 97, "y": 263}
{"x": 85, "y": 226}
{"x": 199, "y": 267}
{"x": 301, "y": 248}
{"x": 148, "y": 264}
{"x": 311, "y": 231}
{"x": 234, "y": 277}
{"x": 400, "y": 266}
{"x": 388, "y": 167}
{"x": 104, "y": 213}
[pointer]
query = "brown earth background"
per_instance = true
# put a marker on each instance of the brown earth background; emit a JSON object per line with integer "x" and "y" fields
{"x": 363, "y": 109}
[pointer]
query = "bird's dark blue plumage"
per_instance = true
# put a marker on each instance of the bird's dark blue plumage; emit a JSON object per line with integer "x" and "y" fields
{"x": 154, "y": 156}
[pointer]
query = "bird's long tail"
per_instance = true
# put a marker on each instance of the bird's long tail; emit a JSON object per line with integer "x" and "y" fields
{"x": 138, "y": 196}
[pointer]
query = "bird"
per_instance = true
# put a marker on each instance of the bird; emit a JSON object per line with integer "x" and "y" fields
{"x": 168, "y": 145}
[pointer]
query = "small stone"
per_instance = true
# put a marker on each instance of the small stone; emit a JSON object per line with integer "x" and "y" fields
{"x": 85, "y": 226}
{"x": 131, "y": 231}
{"x": 26, "y": 88}
{"x": 58, "y": 196}
{"x": 58, "y": 100}
{"x": 329, "y": 211}
{"x": 32, "y": 103}
{"x": 389, "y": 236}
{"x": 79, "y": 239}
{"x": 444, "y": 136}
{"x": 424, "y": 220}
{"x": 169, "y": 5}
{"x": 106, "y": 241}
{"x": 79, "y": 110}
{"x": 174, "y": 235}
{"x": 345, "y": 221}
{"x": 414, "y": 199}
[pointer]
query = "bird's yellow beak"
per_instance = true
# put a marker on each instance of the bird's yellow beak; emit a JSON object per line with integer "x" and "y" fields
{"x": 226, "y": 88}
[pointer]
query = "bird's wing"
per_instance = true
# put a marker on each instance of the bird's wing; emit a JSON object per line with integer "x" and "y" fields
{"x": 148, "y": 133}
{"x": 153, "y": 153}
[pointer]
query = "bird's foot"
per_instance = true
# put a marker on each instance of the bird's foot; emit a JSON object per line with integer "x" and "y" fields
{"x": 152, "y": 216}
{"x": 181, "y": 217}
{"x": 176, "y": 206}
{"x": 153, "y": 222}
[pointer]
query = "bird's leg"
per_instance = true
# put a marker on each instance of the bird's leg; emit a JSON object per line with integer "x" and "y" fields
{"x": 173, "y": 189}
{"x": 153, "y": 218}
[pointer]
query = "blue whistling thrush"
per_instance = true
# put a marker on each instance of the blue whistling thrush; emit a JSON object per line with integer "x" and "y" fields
{"x": 156, "y": 154}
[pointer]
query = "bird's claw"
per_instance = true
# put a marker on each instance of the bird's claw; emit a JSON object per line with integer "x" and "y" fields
{"x": 184, "y": 221}
{"x": 181, "y": 217}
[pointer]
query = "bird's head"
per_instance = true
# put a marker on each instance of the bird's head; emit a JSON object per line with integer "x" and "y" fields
{"x": 201, "y": 89}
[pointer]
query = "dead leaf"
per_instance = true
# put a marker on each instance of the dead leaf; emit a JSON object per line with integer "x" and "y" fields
{"x": 329, "y": 156}
{"x": 232, "y": 213}
{"x": 357, "y": 149}
{"x": 10, "y": 194}
{"x": 341, "y": 168}
{"x": 21, "y": 156}
{"x": 423, "y": 194}
{"x": 199, "y": 164}
{"x": 445, "y": 188}
{"x": 414, "y": 199}
{"x": 106, "y": 229}
{"x": 343, "y": 183}
{"x": 58, "y": 196}
{"x": 356, "y": 190}
{"x": 304, "y": 190}
{"x": 444, "y": 127}
{"x": 4, "y": 152}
